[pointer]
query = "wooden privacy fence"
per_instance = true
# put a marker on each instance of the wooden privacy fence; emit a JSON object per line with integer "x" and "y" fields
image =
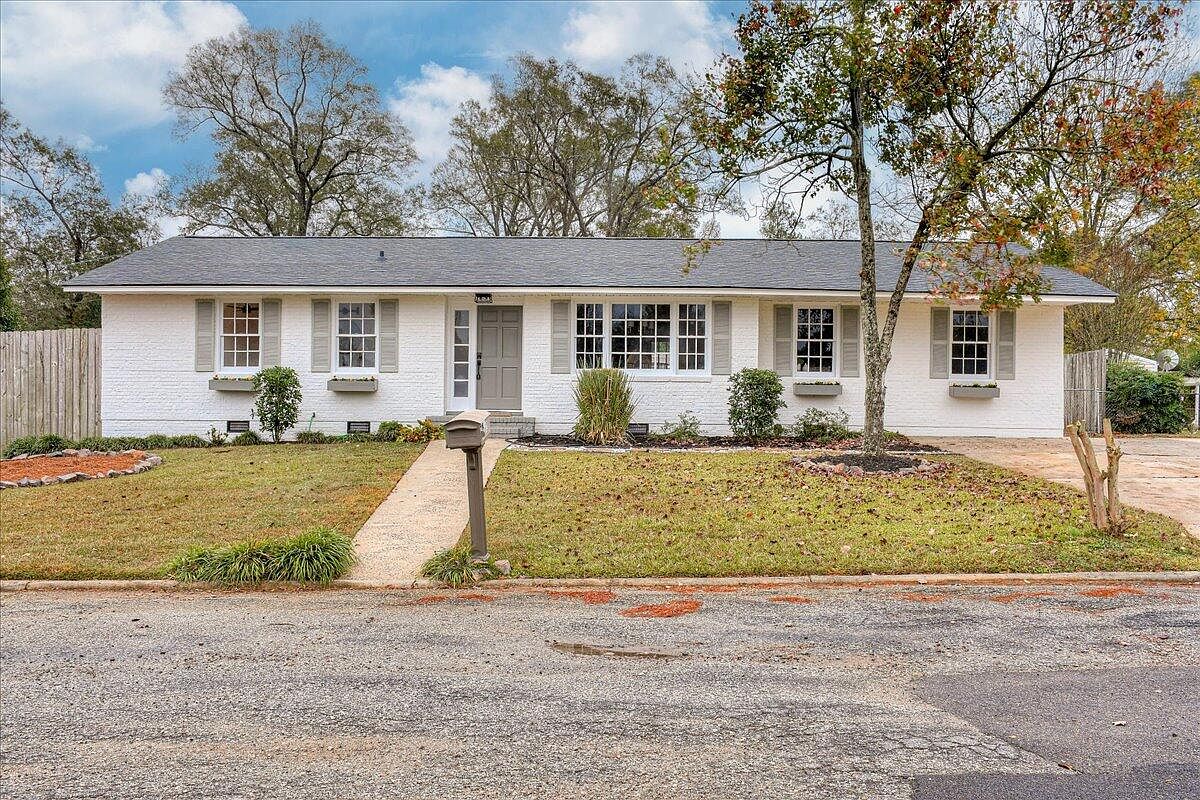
{"x": 1084, "y": 383}
{"x": 50, "y": 383}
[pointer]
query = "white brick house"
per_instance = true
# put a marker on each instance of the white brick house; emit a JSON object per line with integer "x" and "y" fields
{"x": 408, "y": 328}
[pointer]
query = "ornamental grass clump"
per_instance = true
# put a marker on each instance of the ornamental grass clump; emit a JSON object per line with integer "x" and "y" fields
{"x": 456, "y": 567}
{"x": 318, "y": 555}
{"x": 606, "y": 405}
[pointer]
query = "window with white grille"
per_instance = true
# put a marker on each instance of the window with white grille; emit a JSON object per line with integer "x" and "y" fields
{"x": 970, "y": 342}
{"x": 693, "y": 336}
{"x": 814, "y": 341}
{"x": 589, "y": 335}
{"x": 356, "y": 339}
{"x": 641, "y": 336}
{"x": 240, "y": 342}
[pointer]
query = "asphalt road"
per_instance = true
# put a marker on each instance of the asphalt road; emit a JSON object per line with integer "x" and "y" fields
{"x": 858, "y": 693}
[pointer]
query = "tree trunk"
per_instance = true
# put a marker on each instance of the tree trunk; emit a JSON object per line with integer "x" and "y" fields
{"x": 876, "y": 352}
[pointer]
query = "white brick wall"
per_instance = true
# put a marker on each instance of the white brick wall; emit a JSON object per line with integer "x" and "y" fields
{"x": 149, "y": 384}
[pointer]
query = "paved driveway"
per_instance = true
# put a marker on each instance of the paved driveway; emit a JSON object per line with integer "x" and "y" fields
{"x": 1157, "y": 474}
{"x": 871, "y": 693}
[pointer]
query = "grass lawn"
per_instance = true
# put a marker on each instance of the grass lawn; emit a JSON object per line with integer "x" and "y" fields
{"x": 558, "y": 514}
{"x": 132, "y": 526}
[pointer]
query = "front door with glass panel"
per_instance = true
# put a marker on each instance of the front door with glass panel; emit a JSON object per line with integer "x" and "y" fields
{"x": 498, "y": 360}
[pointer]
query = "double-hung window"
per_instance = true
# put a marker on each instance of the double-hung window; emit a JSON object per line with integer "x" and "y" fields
{"x": 240, "y": 342}
{"x": 815, "y": 341}
{"x": 970, "y": 344}
{"x": 357, "y": 342}
{"x": 641, "y": 336}
{"x": 589, "y": 335}
{"x": 693, "y": 337}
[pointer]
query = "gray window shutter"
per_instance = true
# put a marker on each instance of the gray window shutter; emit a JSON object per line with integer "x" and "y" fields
{"x": 1006, "y": 345}
{"x": 389, "y": 336}
{"x": 206, "y": 335}
{"x": 560, "y": 336}
{"x": 785, "y": 341}
{"x": 321, "y": 329}
{"x": 722, "y": 356}
{"x": 271, "y": 313}
{"x": 850, "y": 338}
{"x": 939, "y": 343}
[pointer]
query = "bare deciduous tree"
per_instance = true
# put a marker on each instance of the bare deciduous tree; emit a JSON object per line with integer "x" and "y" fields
{"x": 305, "y": 148}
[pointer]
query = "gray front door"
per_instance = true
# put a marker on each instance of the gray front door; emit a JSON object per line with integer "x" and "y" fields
{"x": 498, "y": 362}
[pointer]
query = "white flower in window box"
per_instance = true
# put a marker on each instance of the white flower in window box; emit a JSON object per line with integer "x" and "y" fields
{"x": 817, "y": 389}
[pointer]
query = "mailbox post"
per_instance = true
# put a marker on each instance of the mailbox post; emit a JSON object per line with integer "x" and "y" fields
{"x": 466, "y": 432}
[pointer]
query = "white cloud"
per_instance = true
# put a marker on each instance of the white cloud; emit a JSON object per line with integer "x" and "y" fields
{"x": 145, "y": 184}
{"x": 426, "y": 105}
{"x": 87, "y": 144}
{"x": 99, "y": 67}
{"x": 603, "y": 34}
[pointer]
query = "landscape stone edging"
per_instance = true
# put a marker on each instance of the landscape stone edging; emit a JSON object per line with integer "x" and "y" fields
{"x": 664, "y": 584}
{"x": 149, "y": 461}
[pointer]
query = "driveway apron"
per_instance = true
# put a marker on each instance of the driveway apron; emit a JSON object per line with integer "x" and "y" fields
{"x": 1158, "y": 474}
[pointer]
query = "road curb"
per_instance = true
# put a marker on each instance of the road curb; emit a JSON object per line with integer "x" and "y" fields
{"x": 664, "y": 584}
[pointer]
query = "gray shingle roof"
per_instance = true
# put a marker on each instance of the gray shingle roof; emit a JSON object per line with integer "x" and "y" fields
{"x": 806, "y": 265}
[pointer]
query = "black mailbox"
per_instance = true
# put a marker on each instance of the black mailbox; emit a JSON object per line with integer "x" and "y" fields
{"x": 467, "y": 430}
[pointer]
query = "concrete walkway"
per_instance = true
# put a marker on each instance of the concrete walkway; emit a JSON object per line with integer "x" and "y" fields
{"x": 426, "y": 512}
{"x": 1158, "y": 474}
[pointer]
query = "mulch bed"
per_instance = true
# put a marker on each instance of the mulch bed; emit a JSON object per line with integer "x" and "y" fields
{"x": 46, "y": 466}
{"x": 858, "y": 465}
{"x": 901, "y": 444}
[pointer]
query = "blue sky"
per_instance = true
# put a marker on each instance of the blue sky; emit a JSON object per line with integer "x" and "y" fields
{"x": 92, "y": 72}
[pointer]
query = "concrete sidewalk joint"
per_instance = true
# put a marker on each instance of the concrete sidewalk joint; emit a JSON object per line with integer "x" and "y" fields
{"x": 749, "y": 582}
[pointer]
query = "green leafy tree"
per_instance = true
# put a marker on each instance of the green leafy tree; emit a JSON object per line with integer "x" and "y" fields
{"x": 304, "y": 147}
{"x": 956, "y": 103}
{"x": 560, "y": 151}
{"x": 10, "y": 318}
{"x": 56, "y": 222}
{"x": 277, "y": 402}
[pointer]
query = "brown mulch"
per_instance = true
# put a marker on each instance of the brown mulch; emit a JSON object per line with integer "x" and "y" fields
{"x": 45, "y": 466}
{"x": 897, "y": 443}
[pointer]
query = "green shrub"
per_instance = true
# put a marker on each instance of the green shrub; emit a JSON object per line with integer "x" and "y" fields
{"x": 311, "y": 437}
{"x": 315, "y": 556}
{"x": 356, "y": 438}
{"x": 188, "y": 440}
{"x": 25, "y": 444}
{"x": 424, "y": 431}
{"x": 217, "y": 438}
{"x": 455, "y": 567}
{"x": 1189, "y": 363}
{"x": 246, "y": 437}
{"x": 277, "y": 400}
{"x": 1140, "y": 401}
{"x": 822, "y": 427}
{"x": 685, "y": 429}
{"x": 36, "y": 445}
{"x": 156, "y": 441}
{"x": 390, "y": 430}
{"x": 605, "y": 404}
{"x": 755, "y": 397}
{"x": 106, "y": 443}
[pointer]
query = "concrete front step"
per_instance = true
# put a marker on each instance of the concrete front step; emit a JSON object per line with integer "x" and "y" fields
{"x": 501, "y": 424}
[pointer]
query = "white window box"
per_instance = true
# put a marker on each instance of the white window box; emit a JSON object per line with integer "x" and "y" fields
{"x": 364, "y": 384}
{"x": 974, "y": 392}
{"x": 817, "y": 389}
